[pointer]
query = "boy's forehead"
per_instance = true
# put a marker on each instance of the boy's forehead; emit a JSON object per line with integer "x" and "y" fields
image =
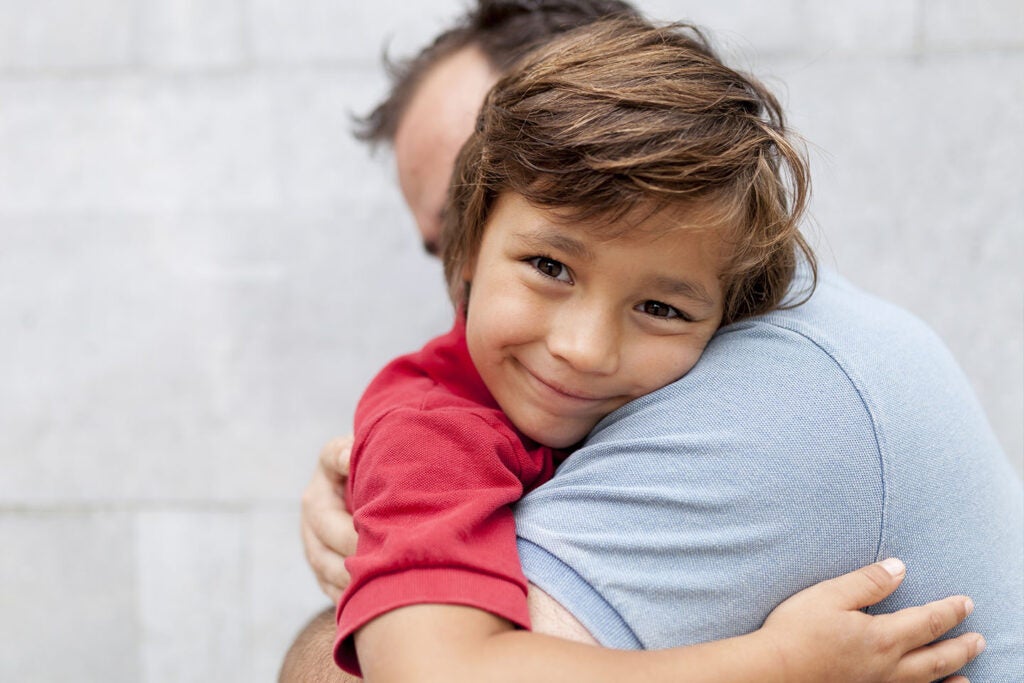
{"x": 645, "y": 220}
{"x": 568, "y": 231}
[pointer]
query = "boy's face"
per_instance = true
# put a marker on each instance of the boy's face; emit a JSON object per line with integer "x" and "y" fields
{"x": 565, "y": 327}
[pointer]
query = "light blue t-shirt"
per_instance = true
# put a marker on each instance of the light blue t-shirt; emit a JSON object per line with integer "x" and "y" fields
{"x": 804, "y": 444}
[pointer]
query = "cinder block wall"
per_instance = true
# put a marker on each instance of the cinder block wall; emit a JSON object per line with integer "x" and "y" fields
{"x": 200, "y": 269}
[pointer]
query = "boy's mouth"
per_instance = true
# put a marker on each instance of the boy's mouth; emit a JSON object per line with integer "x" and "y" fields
{"x": 562, "y": 390}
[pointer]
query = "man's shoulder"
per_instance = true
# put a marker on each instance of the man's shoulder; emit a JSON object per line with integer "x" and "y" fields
{"x": 845, "y": 365}
{"x": 846, "y": 342}
{"x": 840, "y": 321}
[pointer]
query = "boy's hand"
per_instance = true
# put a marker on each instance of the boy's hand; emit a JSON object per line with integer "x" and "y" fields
{"x": 820, "y": 633}
{"x": 327, "y": 532}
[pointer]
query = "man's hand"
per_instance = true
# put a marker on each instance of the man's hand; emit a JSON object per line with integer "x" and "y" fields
{"x": 327, "y": 531}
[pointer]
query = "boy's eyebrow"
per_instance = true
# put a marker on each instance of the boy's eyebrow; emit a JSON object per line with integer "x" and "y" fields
{"x": 550, "y": 239}
{"x": 688, "y": 288}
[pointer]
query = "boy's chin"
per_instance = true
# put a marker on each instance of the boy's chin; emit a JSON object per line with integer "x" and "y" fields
{"x": 561, "y": 437}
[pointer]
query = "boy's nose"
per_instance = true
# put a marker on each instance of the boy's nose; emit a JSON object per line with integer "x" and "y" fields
{"x": 587, "y": 340}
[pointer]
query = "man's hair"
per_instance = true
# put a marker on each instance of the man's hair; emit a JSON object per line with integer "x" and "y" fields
{"x": 621, "y": 119}
{"x": 504, "y": 30}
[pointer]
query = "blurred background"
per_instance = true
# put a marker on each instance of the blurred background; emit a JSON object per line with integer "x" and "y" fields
{"x": 200, "y": 269}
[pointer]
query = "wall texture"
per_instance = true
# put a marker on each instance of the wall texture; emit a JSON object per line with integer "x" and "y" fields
{"x": 199, "y": 270}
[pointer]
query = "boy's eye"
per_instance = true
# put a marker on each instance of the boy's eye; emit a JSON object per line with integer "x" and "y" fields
{"x": 551, "y": 268}
{"x": 660, "y": 310}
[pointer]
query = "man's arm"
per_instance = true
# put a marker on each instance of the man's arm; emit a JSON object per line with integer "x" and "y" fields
{"x": 549, "y": 617}
{"x": 310, "y": 659}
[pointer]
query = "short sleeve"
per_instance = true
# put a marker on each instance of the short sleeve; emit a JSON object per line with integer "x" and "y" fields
{"x": 432, "y": 492}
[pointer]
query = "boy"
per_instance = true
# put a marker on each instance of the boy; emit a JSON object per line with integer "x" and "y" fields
{"x": 606, "y": 218}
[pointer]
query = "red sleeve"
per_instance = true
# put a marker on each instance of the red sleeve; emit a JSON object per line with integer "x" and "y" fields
{"x": 432, "y": 492}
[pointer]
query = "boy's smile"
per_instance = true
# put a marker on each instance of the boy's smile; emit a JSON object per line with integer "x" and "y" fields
{"x": 566, "y": 325}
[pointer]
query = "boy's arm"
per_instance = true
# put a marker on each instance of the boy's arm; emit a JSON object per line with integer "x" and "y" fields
{"x": 310, "y": 659}
{"x": 819, "y": 634}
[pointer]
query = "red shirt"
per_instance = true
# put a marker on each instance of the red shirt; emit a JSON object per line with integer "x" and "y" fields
{"x": 435, "y": 467}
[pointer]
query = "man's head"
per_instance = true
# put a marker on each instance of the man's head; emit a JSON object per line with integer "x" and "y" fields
{"x": 619, "y": 120}
{"x": 435, "y": 124}
{"x": 435, "y": 96}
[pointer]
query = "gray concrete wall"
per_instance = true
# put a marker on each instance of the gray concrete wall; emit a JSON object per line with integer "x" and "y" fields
{"x": 199, "y": 270}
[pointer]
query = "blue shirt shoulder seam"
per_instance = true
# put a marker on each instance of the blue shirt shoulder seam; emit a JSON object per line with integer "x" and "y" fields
{"x": 869, "y": 411}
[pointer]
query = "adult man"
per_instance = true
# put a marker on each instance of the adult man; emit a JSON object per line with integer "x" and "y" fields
{"x": 787, "y": 455}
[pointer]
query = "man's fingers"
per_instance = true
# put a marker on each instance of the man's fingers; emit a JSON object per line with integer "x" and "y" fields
{"x": 325, "y": 520}
{"x": 331, "y": 591}
{"x": 862, "y": 587}
{"x": 333, "y": 527}
{"x": 319, "y": 492}
{"x": 334, "y": 456}
{"x": 327, "y": 566}
{"x": 333, "y": 577}
{"x": 328, "y": 536}
{"x": 933, "y": 662}
{"x": 921, "y": 625}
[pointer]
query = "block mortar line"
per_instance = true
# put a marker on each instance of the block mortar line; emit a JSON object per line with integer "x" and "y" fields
{"x": 157, "y": 74}
{"x": 166, "y": 505}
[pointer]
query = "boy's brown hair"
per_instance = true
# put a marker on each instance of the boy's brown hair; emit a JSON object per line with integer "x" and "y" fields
{"x": 504, "y": 30}
{"x": 622, "y": 117}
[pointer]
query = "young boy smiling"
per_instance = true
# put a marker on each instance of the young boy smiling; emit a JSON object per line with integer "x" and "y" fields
{"x": 624, "y": 196}
{"x": 567, "y": 326}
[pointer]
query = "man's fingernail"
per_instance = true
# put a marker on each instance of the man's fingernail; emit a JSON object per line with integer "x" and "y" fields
{"x": 894, "y": 566}
{"x": 979, "y": 646}
{"x": 969, "y": 605}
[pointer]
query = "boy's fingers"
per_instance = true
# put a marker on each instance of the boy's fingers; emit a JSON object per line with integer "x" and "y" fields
{"x": 944, "y": 658}
{"x": 863, "y": 587}
{"x": 921, "y": 625}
